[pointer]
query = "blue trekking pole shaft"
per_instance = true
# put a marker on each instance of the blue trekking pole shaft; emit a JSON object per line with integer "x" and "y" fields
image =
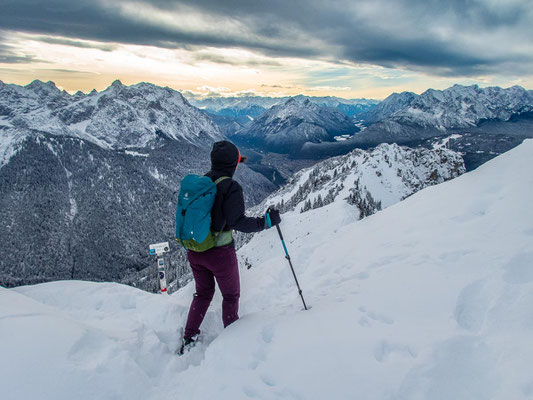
{"x": 290, "y": 263}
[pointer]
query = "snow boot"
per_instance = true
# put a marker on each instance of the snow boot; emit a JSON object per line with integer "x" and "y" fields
{"x": 186, "y": 345}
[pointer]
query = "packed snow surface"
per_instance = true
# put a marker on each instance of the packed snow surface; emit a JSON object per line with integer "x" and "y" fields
{"x": 429, "y": 299}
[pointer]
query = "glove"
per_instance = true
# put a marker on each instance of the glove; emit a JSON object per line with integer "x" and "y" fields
{"x": 272, "y": 218}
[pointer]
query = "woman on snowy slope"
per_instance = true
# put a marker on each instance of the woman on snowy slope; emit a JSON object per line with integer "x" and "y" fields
{"x": 220, "y": 262}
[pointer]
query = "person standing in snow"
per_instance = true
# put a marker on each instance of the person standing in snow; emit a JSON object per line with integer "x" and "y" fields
{"x": 220, "y": 263}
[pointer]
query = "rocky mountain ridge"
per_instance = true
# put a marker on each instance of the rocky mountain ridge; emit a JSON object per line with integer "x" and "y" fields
{"x": 367, "y": 179}
{"x": 253, "y": 106}
{"x": 116, "y": 118}
{"x": 286, "y": 127}
{"x": 453, "y": 108}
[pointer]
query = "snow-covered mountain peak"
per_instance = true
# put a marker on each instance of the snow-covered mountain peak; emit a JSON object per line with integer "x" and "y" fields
{"x": 286, "y": 127}
{"x": 44, "y": 89}
{"x": 393, "y": 103}
{"x": 38, "y": 84}
{"x": 464, "y": 106}
{"x": 117, "y": 83}
{"x": 292, "y": 108}
{"x": 118, "y": 117}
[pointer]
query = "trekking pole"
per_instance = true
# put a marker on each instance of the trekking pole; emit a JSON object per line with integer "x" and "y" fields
{"x": 289, "y": 260}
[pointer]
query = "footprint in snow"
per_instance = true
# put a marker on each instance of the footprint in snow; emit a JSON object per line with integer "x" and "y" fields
{"x": 374, "y": 316}
{"x": 384, "y": 349}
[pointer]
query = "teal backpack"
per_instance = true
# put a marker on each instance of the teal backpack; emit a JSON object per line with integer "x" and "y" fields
{"x": 193, "y": 214}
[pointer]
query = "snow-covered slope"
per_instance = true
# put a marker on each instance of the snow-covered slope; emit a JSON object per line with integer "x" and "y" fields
{"x": 428, "y": 299}
{"x": 284, "y": 128}
{"x": 370, "y": 180}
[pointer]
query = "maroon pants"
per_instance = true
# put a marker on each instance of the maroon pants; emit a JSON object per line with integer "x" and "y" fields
{"x": 218, "y": 263}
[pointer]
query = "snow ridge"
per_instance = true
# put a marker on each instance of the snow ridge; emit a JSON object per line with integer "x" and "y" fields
{"x": 370, "y": 180}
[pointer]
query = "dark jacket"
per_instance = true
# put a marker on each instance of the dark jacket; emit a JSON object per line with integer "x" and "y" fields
{"x": 228, "y": 209}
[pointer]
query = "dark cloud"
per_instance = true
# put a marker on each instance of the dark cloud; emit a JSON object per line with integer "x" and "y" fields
{"x": 9, "y": 56}
{"x": 219, "y": 59}
{"x": 64, "y": 71}
{"x": 75, "y": 43}
{"x": 454, "y": 37}
{"x": 92, "y": 20}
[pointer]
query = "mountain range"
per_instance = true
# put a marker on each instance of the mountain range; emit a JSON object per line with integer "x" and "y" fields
{"x": 285, "y": 127}
{"x": 457, "y": 107}
{"x": 117, "y": 118}
{"x": 253, "y": 106}
{"x": 489, "y": 121}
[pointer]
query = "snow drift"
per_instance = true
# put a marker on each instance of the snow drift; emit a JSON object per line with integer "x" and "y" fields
{"x": 428, "y": 299}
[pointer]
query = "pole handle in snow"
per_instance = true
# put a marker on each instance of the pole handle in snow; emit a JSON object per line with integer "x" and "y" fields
{"x": 290, "y": 263}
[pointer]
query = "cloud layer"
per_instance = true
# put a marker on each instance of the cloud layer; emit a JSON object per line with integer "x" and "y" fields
{"x": 448, "y": 38}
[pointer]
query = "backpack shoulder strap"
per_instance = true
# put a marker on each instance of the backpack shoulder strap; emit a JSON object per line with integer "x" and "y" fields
{"x": 221, "y": 179}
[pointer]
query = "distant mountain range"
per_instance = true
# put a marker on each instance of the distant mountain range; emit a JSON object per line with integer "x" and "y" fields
{"x": 285, "y": 127}
{"x": 481, "y": 123}
{"x": 483, "y": 117}
{"x": 454, "y": 108}
{"x": 232, "y": 114}
{"x": 253, "y": 106}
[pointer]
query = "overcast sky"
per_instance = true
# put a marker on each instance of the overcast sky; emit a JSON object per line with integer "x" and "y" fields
{"x": 277, "y": 47}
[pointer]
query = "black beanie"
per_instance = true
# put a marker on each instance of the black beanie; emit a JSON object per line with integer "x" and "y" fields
{"x": 224, "y": 155}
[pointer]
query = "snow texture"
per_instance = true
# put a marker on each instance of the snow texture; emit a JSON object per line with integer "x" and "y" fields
{"x": 427, "y": 299}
